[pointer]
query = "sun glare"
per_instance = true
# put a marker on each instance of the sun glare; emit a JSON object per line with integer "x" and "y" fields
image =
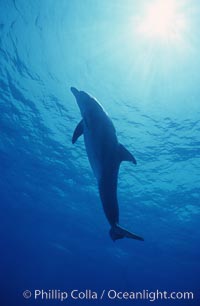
{"x": 162, "y": 20}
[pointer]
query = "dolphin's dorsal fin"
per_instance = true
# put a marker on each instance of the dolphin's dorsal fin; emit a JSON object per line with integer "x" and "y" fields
{"x": 78, "y": 131}
{"x": 125, "y": 155}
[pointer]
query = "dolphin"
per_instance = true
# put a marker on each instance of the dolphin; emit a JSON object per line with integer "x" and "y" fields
{"x": 105, "y": 154}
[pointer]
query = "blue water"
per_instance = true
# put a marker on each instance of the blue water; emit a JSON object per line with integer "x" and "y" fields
{"x": 54, "y": 234}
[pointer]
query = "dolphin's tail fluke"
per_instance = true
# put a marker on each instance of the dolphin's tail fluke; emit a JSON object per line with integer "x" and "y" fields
{"x": 117, "y": 232}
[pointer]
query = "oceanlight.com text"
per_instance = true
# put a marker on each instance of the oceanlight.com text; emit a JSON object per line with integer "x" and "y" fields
{"x": 112, "y": 294}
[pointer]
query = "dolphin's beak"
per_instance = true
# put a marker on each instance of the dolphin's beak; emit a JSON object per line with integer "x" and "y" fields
{"x": 75, "y": 92}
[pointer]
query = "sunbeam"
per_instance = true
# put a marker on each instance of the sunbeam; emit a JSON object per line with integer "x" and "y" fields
{"x": 163, "y": 21}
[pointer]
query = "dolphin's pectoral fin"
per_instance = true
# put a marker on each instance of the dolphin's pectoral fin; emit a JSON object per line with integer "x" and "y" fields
{"x": 78, "y": 131}
{"x": 118, "y": 232}
{"x": 125, "y": 155}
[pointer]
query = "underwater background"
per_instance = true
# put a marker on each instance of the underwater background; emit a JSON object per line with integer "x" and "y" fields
{"x": 53, "y": 231}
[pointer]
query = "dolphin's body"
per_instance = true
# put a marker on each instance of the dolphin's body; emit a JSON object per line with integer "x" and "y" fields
{"x": 105, "y": 154}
